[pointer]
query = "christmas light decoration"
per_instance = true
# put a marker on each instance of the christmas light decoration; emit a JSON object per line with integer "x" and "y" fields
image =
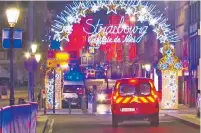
{"x": 143, "y": 11}
{"x": 58, "y": 84}
{"x": 169, "y": 65}
{"x": 49, "y": 86}
{"x": 101, "y": 37}
{"x": 169, "y": 60}
{"x": 111, "y": 7}
{"x": 169, "y": 90}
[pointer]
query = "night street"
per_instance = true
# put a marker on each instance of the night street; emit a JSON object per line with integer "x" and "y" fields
{"x": 102, "y": 124}
{"x": 100, "y": 66}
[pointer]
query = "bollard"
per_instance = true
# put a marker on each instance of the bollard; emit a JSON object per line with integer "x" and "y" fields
{"x": 90, "y": 109}
{"x": 83, "y": 104}
{"x": 44, "y": 105}
{"x": 94, "y": 103}
{"x": 69, "y": 105}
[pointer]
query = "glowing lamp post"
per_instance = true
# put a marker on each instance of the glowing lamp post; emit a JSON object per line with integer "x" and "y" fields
{"x": 169, "y": 65}
{"x": 31, "y": 64}
{"x": 12, "y": 17}
{"x": 147, "y": 68}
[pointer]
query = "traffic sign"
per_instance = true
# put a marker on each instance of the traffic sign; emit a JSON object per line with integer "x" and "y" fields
{"x": 62, "y": 56}
{"x": 17, "y": 38}
{"x": 51, "y": 63}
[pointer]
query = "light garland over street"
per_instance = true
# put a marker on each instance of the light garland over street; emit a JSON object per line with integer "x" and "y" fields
{"x": 141, "y": 10}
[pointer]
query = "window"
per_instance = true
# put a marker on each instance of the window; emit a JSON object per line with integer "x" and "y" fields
{"x": 145, "y": 89}
{"x": 135, "y": 89}
{"x": 72, "y": 88}
{"x": 90, "y": 60}
{"x": 127, "y": 89}
{"x": 84, "y": 60}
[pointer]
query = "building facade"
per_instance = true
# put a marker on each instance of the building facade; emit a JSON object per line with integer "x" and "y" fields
{"x": 25, "y": 21}
{"x": 187, "y": 25}
{"x": 194, "y": 47}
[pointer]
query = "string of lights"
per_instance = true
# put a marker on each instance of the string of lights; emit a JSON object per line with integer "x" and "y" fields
{"x": 141, "y": 10}
{"x": 169, "y": 64}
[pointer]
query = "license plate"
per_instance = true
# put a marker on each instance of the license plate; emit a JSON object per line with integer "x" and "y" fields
{"x": 73, "y": 103}
{"x": 127, "y": 109}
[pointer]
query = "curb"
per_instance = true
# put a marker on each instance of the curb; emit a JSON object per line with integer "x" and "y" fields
{"x": 184, "y": 121}
{"x": 46, "y": 124}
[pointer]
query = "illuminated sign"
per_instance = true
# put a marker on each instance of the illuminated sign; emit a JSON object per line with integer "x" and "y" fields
{"x": 62, "y": 56}
{"x": 120, "y": 33}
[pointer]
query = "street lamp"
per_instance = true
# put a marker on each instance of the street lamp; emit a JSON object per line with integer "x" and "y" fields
{"x": 33, "y": 48}
{"x": 12, "y": 17}
{"x": 31, "y": 64}
{"x": 147, "y": 68}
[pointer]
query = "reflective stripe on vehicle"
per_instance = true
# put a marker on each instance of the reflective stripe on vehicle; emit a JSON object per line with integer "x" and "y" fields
{"x": 143, "y": 99}
{"x": 119, "y": 100}
{"x": 126, "y": 100}
{"x": 136, "y": 99}
{"x": 151, "y": 99}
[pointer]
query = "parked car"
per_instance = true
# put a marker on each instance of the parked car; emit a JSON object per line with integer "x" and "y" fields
{"x": 198, "y": 103}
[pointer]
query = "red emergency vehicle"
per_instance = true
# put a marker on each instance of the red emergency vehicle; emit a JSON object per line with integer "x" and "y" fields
{"x": 135, "y": 98}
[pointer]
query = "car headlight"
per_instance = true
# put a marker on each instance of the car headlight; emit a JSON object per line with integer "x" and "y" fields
{"x": 101, "y": 97}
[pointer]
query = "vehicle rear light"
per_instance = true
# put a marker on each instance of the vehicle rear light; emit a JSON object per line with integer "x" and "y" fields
{"x": 154, "y": 94}
{"x": 132, "y": 81}
{"x": 114, "y": 97}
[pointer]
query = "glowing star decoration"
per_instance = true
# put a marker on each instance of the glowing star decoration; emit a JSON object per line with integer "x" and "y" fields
{"x": 70, "y": 19}
{"x": 159, "y": 32}
{"x": 141, "y": 18}
{"x": 143, "y": 12}
{"x": 95, "y": 8}
{"x": 64, "y": 35}
{"x": 129, "y": 11}
{"x": 169, "y": 65}
{"x": 111, "y": 7}
{"x": 81, "y": 10}
{"x": 77, "y": 19}
{"x": 68, "y": 28}
{"x": 153, "y": 22}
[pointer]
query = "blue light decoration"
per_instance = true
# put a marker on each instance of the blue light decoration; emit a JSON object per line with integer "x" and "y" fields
{"x": 73, "y": 76}
{"x": 142, "y": 11}
{"x": 164, "y": 66}
{"x": 55, "y": 45}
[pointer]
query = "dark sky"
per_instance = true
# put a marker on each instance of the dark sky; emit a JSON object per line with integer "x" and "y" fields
{"x": 58, "y": 6}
